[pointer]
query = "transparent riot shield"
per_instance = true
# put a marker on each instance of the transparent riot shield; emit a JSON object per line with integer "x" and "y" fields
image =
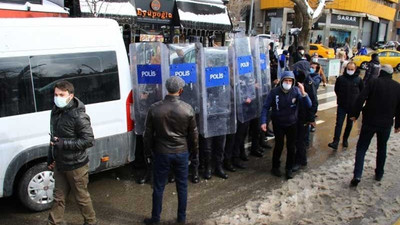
{"x": 262, "y": 68}
{"x": 184, "y": 61}
{"x": 217, "y": 109}
{"x": 149, "y": 70}
{"x": 246, "y": 97}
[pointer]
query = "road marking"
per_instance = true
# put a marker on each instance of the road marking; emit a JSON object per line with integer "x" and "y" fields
{"x": 326, "y": 95}
{"x": 328, "y": 105}
{"x": 319, "y": 121}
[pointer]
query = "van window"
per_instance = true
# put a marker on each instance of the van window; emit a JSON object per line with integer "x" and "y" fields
{"x": 16, "y": 96}
{"x": 94, "y": 75}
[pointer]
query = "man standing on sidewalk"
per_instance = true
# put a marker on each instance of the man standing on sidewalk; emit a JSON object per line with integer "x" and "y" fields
{"x": 170, "y": 134}
{"x": 71, "y": 134}
{"x": 382, "y": 104}
{"x": 347, "y": 89}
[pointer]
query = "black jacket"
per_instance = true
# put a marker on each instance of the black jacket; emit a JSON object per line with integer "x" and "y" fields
{"x": 306, "y": 114}
{"x": 170, "y": 127}
{"x": 372, "y": 72}
{"x": 347, "y": 89}
{"x": 382, "y": 97}
{"x": 72, "y": 125}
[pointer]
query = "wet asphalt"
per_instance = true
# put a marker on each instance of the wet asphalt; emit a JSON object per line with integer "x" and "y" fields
{"x": 118, "y": 199}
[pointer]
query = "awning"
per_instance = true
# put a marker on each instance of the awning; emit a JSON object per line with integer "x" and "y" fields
{"x": 203, "y": 15}
{"x": 107, "y": 8}
{"x": 373, "y": 18}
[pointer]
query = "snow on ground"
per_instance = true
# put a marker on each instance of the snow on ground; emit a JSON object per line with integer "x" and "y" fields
{"x": 323, "y": 196}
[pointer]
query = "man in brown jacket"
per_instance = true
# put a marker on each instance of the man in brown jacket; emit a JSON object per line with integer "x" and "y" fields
{"x": 170, "y": 134}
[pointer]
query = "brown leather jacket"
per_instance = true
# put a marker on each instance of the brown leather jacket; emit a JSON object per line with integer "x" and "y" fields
{"x": 170, "y": 127}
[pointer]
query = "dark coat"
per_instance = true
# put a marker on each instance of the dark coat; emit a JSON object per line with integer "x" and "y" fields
{"x": 284, "y": 105}
{"x": 170, "y": 127}
{"x": 347, "y": 89}
{"x": 72, "y": 125}
{"x": 372, "y": 72}
{"x": 382, "y": 102}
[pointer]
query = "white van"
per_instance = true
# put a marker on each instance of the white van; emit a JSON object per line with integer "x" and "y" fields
{"x": 35, "y": 53}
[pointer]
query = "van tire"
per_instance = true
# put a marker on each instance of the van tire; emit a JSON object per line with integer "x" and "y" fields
{"x": 38, "y": 182}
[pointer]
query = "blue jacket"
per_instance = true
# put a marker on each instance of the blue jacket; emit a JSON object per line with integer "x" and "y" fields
{"x": 284, "y": 105}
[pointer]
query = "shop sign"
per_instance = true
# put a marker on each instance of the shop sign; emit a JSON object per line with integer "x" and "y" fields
{"x": 154, "y": 12}
{"x": 346, "y": 20}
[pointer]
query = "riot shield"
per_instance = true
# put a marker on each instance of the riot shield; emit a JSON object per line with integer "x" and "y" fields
{"x": 149, "y": 70}
{"x": 184, "y": 61}
{"x": 217, "y": 109}
{"x": 246, "y": 97}
{"x": 262, "y": 68}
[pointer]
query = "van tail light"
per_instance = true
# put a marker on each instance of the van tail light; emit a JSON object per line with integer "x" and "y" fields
{"x": 129, "y": 104}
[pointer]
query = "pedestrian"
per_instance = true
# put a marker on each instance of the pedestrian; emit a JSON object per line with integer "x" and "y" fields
{"x": 306, "y": 115}
{"x": 320, "y": 71}
{"x": 284, "y": 101}
{"x": 373, "y": 69}
{"x": 359, "y": 45}
{"x": 71, "y": 134}
{"x": 382, "y": 103}
{"x": 299, "y": 54}
{"x": 347, "y": 89}
{"x": 170, "y": 134}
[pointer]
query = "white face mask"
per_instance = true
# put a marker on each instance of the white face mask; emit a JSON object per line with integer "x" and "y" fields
{"x": 61, "y": 102}
{"x": 286, "y": 86}
{"x": 302, "y": 52}
{"x": 315, "y": 60}
{"x": 350, "y": 72}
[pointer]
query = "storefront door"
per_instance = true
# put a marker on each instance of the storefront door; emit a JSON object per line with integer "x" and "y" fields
{"x": 366, "y": 34}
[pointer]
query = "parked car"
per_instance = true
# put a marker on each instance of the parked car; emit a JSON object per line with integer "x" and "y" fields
{"x": 385, "y": 45}
{"x": 390, "y": 57}
{"x": 322, "y": 51}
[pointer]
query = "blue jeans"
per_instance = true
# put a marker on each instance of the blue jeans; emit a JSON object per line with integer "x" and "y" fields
{"x": 366, "y": 134}
{"x": 340, "y": 116}
{"x": 161, "y": 167}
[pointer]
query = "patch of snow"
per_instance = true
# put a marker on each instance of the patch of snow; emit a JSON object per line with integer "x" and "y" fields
{"x": 323, "y": 195}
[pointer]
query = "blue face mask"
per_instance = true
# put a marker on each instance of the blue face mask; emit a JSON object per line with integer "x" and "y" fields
{"x": 61, "y": 102}
{"x": 312, "y": 70}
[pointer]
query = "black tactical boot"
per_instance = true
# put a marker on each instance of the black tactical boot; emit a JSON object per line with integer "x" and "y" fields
{"x": 195, "y": 176}
{"x": 228, "y": 166}
{"x": 220, "y": 172}
{"x": 207, "y": 167}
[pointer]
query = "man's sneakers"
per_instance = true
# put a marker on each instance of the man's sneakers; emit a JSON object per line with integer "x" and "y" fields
{"x": 151, "y": 221}
{"x": 378, "y": 177}
{"x": 333, "y": 145}
{"x": 276, "y": 172}
{"x": 354, "y": 182}
{"x": 345, "y": 144}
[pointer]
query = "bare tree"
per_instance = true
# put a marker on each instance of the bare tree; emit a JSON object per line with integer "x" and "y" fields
{"x": 305, "y": 17}
{"x": 235, "y": 8}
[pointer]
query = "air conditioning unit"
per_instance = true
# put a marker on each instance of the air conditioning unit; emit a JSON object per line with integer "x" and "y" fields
{"x": 260, "y": 24}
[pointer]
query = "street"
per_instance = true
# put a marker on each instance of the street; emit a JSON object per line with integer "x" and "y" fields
{"x": 251, "y": 196}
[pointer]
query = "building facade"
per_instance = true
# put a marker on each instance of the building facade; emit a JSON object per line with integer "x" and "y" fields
{"x": 342, "y": 21}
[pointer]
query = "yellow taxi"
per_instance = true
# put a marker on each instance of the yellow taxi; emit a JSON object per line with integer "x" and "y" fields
{"x": 322, "y": 51}
{"x": 386, "y": 56}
